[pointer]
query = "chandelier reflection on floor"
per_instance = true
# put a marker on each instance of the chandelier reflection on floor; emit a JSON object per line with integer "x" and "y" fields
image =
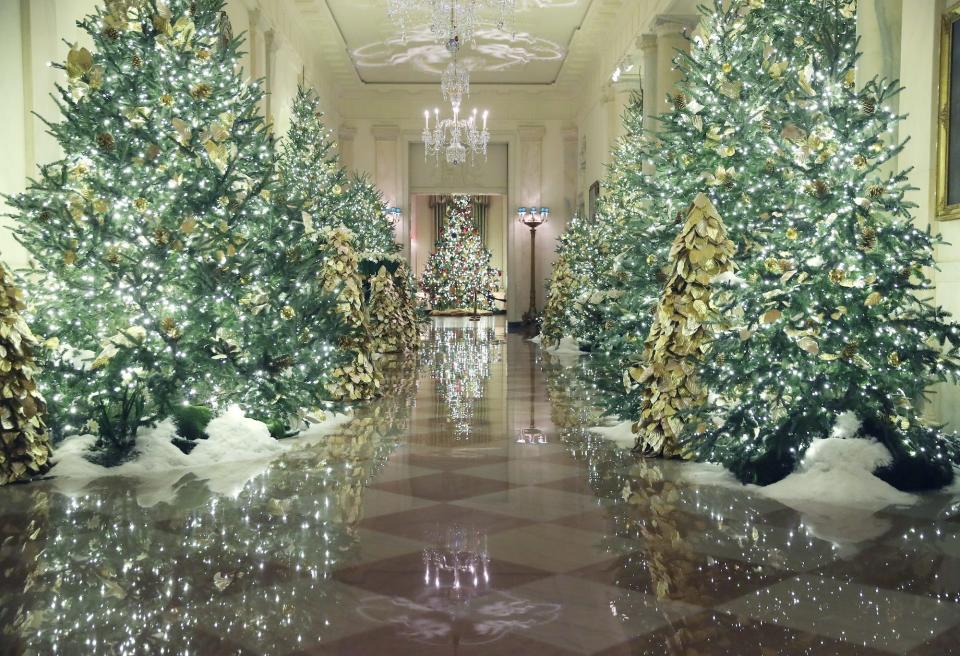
{"x": 451, "y": 21}
{"x": 457, "y": 562}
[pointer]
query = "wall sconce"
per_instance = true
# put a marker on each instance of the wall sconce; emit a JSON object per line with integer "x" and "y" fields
{"x": 533, "y": 217}
{"x": 395, "y": 216}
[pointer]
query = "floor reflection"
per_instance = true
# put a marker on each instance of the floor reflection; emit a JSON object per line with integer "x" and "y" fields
{"x": 467, "y": 512}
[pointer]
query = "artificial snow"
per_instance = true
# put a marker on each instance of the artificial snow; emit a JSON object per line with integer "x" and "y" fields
{"x": 839, "y": 471}
{"x": 567, "y": 352}
{"x": 834, "y": 487}
{"x": 238, "y": 449}
{"x": 620, "y": 434}
{"x": 567, "y": 346}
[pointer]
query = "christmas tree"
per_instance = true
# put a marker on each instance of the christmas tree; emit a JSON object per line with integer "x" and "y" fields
{"x": 24, "y": 443}
{"x": 458, "y": 275}
{"x": 141, "y": 228}
{"x": 312, "y": 180}
{"x": 577, "y": 289}
{"x": 835, "y": 317}
{"x": 666, "y": 374}
{"x": 832, "y": 317}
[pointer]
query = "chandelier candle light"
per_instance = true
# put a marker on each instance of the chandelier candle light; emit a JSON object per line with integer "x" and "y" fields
{"x": 455, "y": 137}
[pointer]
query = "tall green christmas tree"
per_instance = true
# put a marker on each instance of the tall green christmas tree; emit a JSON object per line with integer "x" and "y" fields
{"x": 829, "y": 317}
{"x": 140, "y": 230}
{"x": 835, "y": 315}
{"x": 458, "y": 275}
{"x": 313, "y": 181}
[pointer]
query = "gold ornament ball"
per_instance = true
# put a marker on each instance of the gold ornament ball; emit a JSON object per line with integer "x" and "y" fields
{"x": 894, "y": 359}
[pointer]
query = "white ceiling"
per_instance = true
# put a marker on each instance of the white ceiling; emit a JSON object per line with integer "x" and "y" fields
{"x": 534, "y": 55}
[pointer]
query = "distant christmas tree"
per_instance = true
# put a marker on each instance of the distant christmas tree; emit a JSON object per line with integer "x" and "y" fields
{"x": 458, "y": 274}
{"x": 313, "y": 180}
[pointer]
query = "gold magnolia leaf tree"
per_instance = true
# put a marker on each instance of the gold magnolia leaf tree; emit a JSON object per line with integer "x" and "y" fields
{"x": 666, "y": 375}
{"x": 393, "y": 318}
{"x": 24, "y": 441}
{"x": 359, "y": 379}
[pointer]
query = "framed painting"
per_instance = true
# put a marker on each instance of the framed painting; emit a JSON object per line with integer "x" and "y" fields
{"x": 948, "y": 134}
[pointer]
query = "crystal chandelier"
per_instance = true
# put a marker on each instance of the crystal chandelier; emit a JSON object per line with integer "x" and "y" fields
{"x": 455, "y": 137}
{"x": 451, "y": 21}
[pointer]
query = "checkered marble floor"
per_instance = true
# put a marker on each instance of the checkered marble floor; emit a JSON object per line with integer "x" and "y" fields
{"x": 469, "y": 512}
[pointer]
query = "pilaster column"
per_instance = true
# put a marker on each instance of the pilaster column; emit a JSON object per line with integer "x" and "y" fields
{"x": 671, "y": 34}
{"x": 270, "y": 47}
{"x": 879, "y": 24}
{"x": 345, "y": 136}
{"x": 571, "y": 172}
{"x": 386, "y": 140}
{"x": 531, "y": 164}
{"x": 254, "y": 57}
{"x": 648, "y": 78}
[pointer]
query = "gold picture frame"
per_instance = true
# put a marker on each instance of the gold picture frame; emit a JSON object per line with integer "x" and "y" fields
{"x": 948, "y": 146}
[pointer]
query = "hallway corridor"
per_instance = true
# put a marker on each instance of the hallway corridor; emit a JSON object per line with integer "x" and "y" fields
{"x": 467, "y": 512}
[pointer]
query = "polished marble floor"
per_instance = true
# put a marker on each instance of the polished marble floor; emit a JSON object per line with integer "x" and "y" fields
{"x": 468, "y": 512}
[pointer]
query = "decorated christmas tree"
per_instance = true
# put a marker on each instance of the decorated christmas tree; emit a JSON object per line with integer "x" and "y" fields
{"x": 458, "y": 275}
{"x": 577, "y": 288}
{"x": 312, "y": 180}
{"x": 666, "y": 374}
{"x": 831, "y": 317}
{"x": 835, "y": 316}
{"x": 24, "y": 442}
{"x": 140, "y": 230}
